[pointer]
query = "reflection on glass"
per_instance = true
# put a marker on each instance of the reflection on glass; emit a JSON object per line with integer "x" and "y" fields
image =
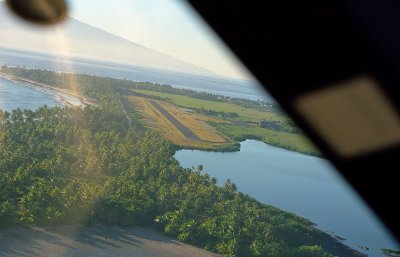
{"x": 123, "y": 128}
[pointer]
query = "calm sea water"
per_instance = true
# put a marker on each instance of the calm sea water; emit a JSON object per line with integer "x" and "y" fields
{"x": 302, "y": 184}
{"x": 14, "y": 95}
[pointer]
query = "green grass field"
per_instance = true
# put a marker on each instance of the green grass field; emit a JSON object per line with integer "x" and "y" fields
{"x": 249, "y": 114}
{"x": 294, "y": 142}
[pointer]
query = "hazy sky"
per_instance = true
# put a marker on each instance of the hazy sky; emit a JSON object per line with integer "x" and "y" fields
{"x": 169, "y": 26}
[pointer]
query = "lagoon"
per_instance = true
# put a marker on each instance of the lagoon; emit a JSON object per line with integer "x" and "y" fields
{"x": 305, "y": 185}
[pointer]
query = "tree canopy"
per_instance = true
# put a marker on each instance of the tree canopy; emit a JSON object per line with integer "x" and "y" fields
{"x": 87, "y": 165}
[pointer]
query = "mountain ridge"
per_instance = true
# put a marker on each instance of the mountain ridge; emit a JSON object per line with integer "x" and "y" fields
{"x": 79, "y": 39}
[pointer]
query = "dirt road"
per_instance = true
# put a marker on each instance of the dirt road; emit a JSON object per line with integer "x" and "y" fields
{"x": 68, "y": 241}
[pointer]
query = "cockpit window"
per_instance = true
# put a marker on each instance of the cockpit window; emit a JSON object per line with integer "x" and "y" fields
{"x": 130, "y": 126}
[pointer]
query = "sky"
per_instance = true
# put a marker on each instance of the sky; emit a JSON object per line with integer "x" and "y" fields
{"x": 168, "y": 26}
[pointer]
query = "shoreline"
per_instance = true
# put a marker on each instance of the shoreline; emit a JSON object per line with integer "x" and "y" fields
{"x": 61, "y": 94}
{"x": 235, "y": 146}
{"x": 361, "y": 248}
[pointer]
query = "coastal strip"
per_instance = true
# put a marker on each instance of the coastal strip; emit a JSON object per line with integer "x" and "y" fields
{"x": 65, "y": 96}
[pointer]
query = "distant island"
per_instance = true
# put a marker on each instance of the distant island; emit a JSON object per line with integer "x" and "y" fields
{"x": 111, "y": 163}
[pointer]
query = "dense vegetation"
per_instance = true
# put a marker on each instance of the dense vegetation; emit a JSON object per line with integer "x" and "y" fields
{"x": 279, "y": 126}
{"x": 87, "y": 165}
{"x": 84, "y": 165}
{"x": 391, "y": 253}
